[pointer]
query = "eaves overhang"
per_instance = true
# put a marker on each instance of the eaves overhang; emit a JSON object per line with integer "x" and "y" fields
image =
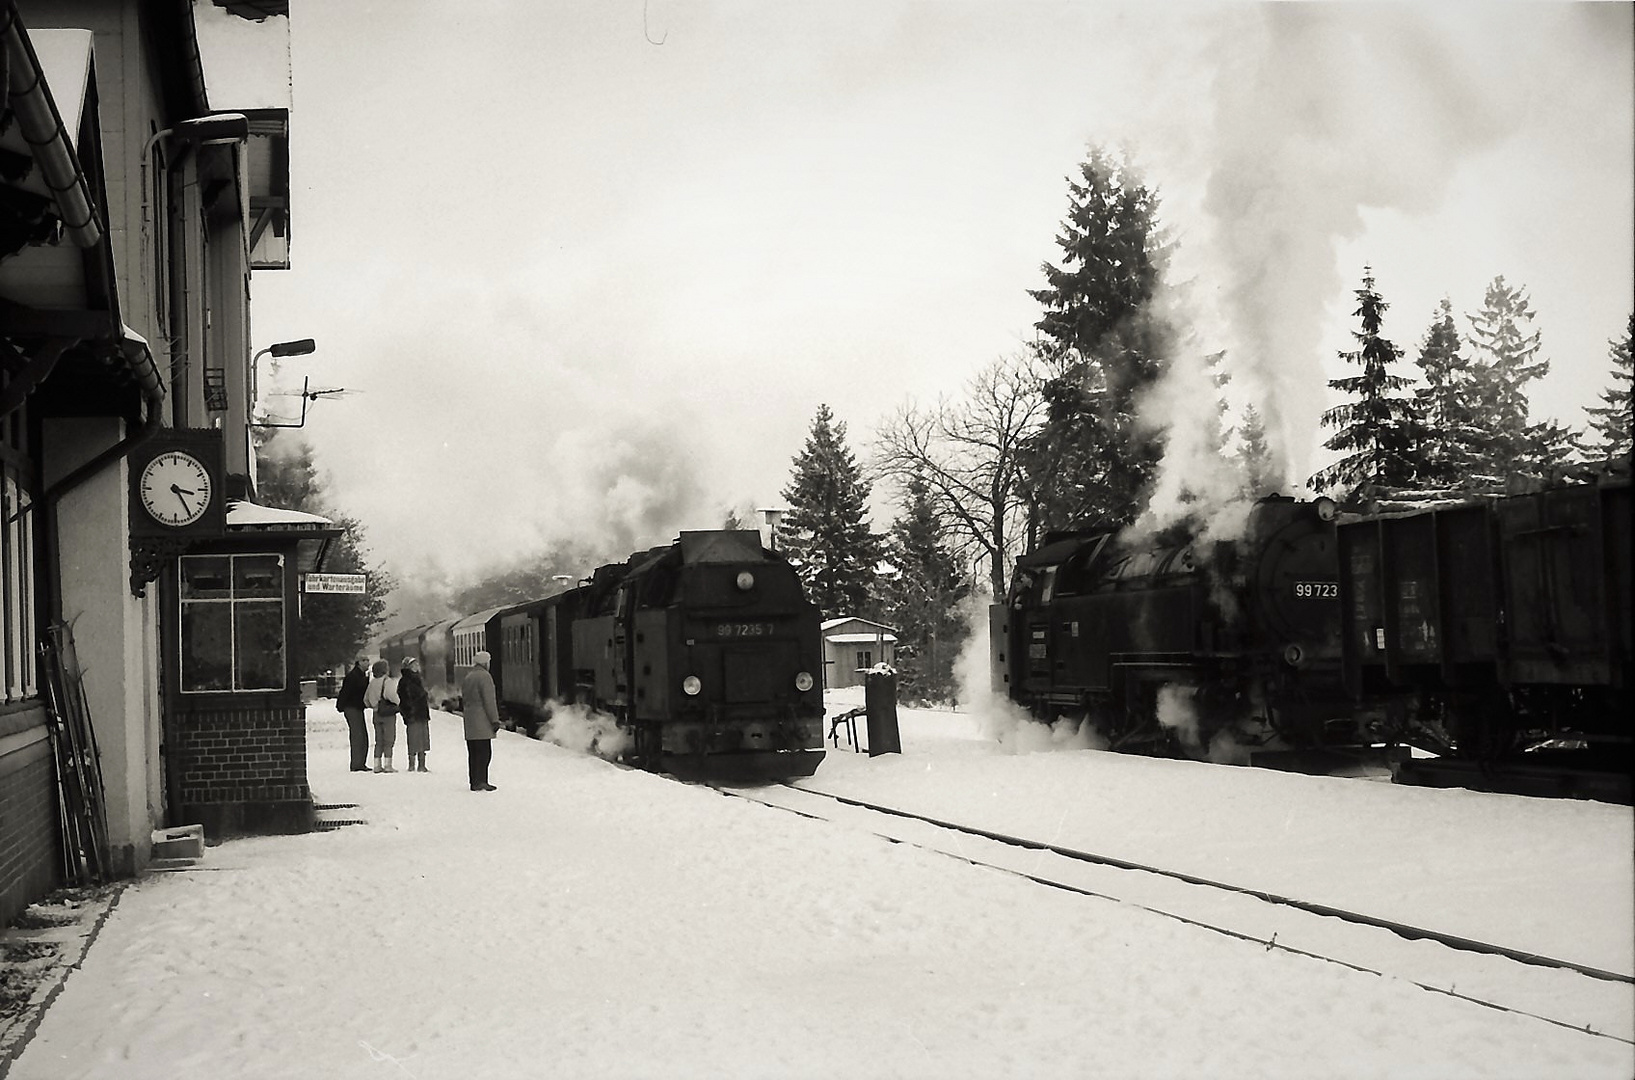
{"x": 40, "y": 162}
{"x": 58, "y": 301}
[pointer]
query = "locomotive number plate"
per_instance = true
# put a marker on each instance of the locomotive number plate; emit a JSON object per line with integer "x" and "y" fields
{"x": 1317, "y": 590}
{"x": 741, "y": 629}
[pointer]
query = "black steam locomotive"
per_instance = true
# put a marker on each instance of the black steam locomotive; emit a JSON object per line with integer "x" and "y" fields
{"x": 705, "y": 653}
{"x": 1181, "y": 646}
{"x": 1489, "y": 630}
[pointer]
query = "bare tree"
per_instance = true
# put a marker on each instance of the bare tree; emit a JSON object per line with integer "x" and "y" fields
{"x": 968, "y": 454}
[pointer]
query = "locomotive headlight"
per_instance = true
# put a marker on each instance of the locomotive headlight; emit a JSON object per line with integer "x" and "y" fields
{"x": 1326, "y": 509}
{"x": 803, "y": 681}
{"x": 746, "y": 581}
{"x": 691, "y": 686}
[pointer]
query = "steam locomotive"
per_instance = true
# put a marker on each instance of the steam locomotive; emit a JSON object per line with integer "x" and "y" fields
{"x": 1181, "y": 645}
{"x": 1489, "y": 631}
{"x": 705, "y": 653}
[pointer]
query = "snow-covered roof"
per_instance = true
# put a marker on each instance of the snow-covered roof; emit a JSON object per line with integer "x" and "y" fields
{"x": 243, "y": 514}
{"x": 830, "y": 624}
{"x": 857, "y": 639}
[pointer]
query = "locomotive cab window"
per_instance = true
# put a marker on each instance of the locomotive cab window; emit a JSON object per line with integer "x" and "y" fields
{"x": 657, "y": 590}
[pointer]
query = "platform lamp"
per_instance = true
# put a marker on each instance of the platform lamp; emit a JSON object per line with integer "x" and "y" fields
{"x": 299, "y": 347}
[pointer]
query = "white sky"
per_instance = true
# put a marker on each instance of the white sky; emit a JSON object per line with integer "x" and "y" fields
{"x": 591, "y": 285}
{"x": 587, "y": 920}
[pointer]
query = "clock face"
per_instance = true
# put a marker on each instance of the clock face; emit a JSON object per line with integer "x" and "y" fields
{"x": 175, "y": 488}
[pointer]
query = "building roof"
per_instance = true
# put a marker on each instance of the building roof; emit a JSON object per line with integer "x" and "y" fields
{"x": 830, "y": 624}
{"x": 61, "y": 301}
{"x": 859, "y": 639}
{"x": 243, "y": 514}
{"x": 314, "y": 534}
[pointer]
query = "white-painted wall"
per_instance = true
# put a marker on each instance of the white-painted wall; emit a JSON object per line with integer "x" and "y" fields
{"x": 115, "y": 633}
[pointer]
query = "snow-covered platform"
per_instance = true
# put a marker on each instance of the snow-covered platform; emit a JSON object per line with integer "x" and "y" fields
{"x": 588, "y": 920}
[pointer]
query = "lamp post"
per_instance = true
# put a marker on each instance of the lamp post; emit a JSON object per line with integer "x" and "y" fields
{"x": 298, "y": 347}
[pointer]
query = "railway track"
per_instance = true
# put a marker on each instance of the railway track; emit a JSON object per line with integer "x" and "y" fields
{"x": 1580, "y": 997}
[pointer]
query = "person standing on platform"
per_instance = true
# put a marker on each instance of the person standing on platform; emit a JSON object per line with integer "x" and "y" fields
{"x": 412, "y": 699}
{"x": 349, "y": 701}
{"x": 482, "y": 716}
{"x": 382, "y": 697}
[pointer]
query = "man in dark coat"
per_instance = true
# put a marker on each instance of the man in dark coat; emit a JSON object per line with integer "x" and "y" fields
{"x": 482, "y": 719}
{"x": 350, "y": 702}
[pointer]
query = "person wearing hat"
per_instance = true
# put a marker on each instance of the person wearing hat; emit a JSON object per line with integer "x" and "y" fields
{"x": 411, "y": 696}
{"x": 482, "y": 719}
{"x": 350, "y": 703}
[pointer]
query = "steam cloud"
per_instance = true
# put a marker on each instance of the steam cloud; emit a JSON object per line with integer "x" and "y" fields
{"x": 999, "y": 718}
{"x": 1388, "y": 109}
{"x": 583, "y": 729}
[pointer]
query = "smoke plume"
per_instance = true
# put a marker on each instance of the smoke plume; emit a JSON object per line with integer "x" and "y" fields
{"x": 1386, "y": 110}
{"x": 999, "y": 718}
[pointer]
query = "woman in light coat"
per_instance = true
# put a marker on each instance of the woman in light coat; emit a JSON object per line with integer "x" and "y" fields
{"x": 382, "y": 697}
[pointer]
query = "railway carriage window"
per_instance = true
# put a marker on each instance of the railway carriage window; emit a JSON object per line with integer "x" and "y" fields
{"x": 232, "y": 623}
{"x": 1047, "y": 585}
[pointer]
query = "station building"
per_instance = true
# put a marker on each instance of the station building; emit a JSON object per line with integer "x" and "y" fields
{"x": 851, "y": 646}
{"x": 146, "y": 601}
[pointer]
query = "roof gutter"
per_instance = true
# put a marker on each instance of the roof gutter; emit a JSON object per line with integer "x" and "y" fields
{"x": 42, "y": 128}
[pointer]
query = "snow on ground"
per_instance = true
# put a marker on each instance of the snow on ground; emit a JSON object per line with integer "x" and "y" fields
{"x": 590, "y": 921}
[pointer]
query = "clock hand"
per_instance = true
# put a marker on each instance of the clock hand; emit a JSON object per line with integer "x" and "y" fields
{"x": 181, "y": 490}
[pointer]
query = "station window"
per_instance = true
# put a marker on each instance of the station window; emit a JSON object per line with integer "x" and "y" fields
{"x": 232, "y": 623}
{"x": 865, "y": 659}
{"x": 17, "y": 597}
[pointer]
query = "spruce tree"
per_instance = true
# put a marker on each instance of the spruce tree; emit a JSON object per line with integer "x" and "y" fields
{"x": 827, "y": 529}
{"x": 1378, "y": 432}
{"x": 1446, "y": 402}
{"x": 1262, "y": 474}
{"x": 922, "y": 598}
{"x": 334, "y": 628}
{"x": 1091, "y": 460}
{"x": 1612, "y": 421}
{"x": 1506, "y": 359}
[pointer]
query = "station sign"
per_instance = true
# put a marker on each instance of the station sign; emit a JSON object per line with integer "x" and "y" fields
{"x": 335, "y": 583}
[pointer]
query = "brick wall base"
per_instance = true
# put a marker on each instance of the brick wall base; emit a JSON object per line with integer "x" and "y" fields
{"x": 251, "y": 817}
{"x": 242, "y": 770}
{"x": 30, "y": 838}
